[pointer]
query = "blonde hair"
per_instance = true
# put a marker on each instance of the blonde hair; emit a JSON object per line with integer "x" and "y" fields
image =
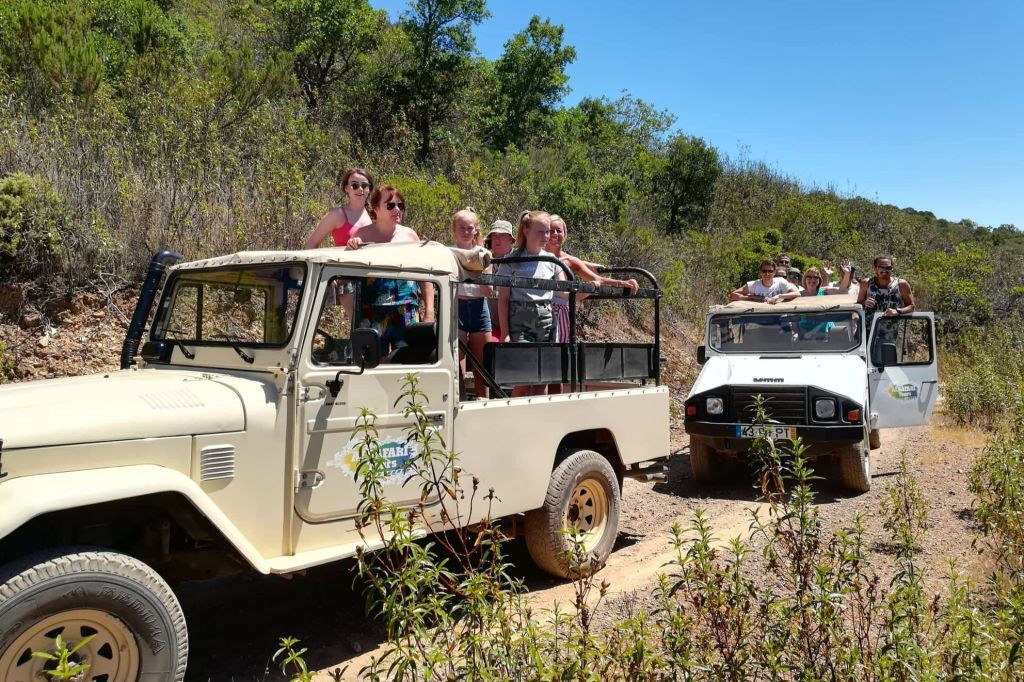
{"x": 469, "y": 213}
{"x": 526, "y": 218}
{"x": 816, "y": 273}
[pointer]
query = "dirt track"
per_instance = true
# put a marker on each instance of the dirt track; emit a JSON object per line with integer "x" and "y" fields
{"x": 235, "y": 622}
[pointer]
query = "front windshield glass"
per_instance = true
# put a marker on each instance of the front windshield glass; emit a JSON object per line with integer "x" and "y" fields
{"x": 253, "y": 306}
{"x": 815, "y": 332}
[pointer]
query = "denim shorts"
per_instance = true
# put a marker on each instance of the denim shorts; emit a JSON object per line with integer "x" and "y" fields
{"x": 474, "y": 315}
{"x": 530, "y": 321}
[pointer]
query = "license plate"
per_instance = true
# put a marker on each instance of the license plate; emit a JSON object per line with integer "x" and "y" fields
{"x": 765, "y": 431}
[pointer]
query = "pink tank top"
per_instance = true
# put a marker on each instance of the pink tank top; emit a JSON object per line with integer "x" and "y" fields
{"x": 342, "y": 234}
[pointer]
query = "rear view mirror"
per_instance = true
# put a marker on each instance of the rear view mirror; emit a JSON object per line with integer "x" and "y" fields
{"x": 366, "y": 348}
{"x": 702, "y": 355}
{"x": 888, "y": 355}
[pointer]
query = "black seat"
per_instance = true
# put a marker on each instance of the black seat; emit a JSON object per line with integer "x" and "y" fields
{"x": 419, "y": 347}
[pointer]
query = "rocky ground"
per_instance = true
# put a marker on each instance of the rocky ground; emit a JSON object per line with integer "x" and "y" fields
{"x": 235, "y": 622}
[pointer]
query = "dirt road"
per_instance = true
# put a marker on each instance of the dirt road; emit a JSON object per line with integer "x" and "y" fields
{"x": 235, "y": 622}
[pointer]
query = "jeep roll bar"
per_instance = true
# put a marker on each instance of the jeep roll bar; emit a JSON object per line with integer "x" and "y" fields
{"x": 576, "y": 351}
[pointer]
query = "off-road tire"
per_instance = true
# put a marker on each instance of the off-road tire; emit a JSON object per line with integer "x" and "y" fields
{"x": 875, "y": 439}
{"x": 703, "y": 462}
{"x": 117, "y": 589}
{"x": 855, "y": 467}
{"x": 545, "y": 528}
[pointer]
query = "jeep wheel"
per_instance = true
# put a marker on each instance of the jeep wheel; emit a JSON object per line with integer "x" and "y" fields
{"x": 855, "y": 467}
{"x": 875, "y": 439}
{"x": 136, "y": 626}
{"x": 702, "y": 460}
{"x": 583, "y": 492}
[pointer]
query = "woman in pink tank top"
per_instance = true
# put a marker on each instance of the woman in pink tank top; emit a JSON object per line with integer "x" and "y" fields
{"x": 342, "y": 222}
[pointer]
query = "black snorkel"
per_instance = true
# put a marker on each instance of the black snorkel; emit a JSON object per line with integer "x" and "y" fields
{"x": 154, "y": 278}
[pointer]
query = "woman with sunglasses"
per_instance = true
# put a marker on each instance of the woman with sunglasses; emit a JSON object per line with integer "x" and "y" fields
{"x": 340, "y": 222}
{"x": 391, "y": 305}
{"x": 767, "y": 288}
{"x": 816, "y": 285}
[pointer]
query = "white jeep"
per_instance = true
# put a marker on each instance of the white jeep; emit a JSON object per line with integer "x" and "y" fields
{"x": 818, "y": 376}
{"x": 230, "y": 443}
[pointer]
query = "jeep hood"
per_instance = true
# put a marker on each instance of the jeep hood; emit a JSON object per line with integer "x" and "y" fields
{"x": 842, "y": 374}
{"x": 121, "y": 405}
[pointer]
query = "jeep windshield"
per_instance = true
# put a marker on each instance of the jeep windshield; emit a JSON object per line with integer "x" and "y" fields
{"x": 250, "y": 306}
{"x": 811, "y": 332}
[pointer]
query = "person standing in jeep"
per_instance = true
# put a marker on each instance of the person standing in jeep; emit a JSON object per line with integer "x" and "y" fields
{"x": 883, "y": 292}
{"x": 768, "y": 288}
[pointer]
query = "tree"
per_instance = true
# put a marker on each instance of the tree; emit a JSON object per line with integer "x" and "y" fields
{"x": 531, "y": 80}
{"x": 685, "y": 182}
{"x": 441, "y": 33}
{"x": 326, "y": 38}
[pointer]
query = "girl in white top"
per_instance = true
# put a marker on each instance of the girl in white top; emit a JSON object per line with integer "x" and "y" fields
{"x": 474, "y": 315}
{"x": 768, "y": 289}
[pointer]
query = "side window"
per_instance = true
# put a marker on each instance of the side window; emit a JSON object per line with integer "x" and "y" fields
{"x": 333, "y": 332}
{"x": 394, "y": 307}
{"x": 911, "y": 337}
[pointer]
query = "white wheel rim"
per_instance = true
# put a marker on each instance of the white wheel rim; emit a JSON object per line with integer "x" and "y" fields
{"x": 112, "y": 654}
{"x": 588, "y": 511}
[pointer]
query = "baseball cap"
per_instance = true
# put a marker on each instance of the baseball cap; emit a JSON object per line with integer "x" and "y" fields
{"x": 500, "y": 227}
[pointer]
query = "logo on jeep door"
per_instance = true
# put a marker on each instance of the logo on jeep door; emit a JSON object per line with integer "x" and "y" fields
{"x": 396, "y": 453}
{"x": 768, "y": 380}
{"x": 903, "y": 391}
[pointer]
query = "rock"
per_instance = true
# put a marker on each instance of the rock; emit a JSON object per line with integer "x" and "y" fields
{"x": 30, "y": 319}
{"x": 99, "y": 313}
{"x": 44, "y": 341}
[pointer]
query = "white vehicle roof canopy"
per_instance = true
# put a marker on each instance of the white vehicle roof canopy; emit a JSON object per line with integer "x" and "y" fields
{"x": 804, "y": 304}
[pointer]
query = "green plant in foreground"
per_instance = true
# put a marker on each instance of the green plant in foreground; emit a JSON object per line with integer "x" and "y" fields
{"x": 791, "y": 602}
{"x": 65, "y": 668}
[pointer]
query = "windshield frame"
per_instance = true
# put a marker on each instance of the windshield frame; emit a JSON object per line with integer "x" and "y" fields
{"x": 824, "y": 349}
{"x": 163, "y": 308}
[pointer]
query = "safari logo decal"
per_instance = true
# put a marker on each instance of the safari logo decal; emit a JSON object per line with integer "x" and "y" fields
{"x": 903, "y": 391}
{"x": 396, "y": 452}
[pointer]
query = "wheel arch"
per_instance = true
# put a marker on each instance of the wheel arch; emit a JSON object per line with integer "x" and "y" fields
{"x": 72, "y": 501}
{"x": 600, "y": 440}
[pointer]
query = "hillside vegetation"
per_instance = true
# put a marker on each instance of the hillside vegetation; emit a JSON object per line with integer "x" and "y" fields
{"x": 129, "y": 125}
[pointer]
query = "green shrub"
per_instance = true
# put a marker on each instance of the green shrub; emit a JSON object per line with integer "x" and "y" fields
{"x": 983, "y": 371}
{"x": 32, "y": 216}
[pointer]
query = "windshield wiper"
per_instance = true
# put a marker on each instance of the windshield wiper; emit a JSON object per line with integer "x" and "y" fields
{"x": 184, "y": 349}
{"x": 231, "y": 339}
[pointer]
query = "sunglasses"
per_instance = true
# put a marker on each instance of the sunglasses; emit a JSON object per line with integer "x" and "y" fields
{"x": 391, "y": 205}
{"x": 813, "y": 277}
{"x": 767, "y": 272}
{"x": 883, "y": 267}
{"x": 359, "y": 185}
{"x": 795, "y": 278}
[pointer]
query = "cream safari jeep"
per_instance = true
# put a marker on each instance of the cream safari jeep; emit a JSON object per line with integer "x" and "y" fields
{"x": 226, "y": 443}
{"x": 820, "y": 378}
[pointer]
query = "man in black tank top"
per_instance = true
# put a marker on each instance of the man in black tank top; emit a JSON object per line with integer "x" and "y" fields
{"x": 884, "y": 293}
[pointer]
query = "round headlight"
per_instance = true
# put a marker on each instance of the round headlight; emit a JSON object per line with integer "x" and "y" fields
{"x": 714, "y": 405}
{"x": 825, "y": 408}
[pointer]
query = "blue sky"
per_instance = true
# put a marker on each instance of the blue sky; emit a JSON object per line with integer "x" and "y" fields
{"x": 911, "y": 103}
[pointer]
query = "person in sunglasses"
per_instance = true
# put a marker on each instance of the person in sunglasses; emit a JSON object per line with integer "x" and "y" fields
{"x": 767, "y": 288}
{"x": 341, "y": 221}
{"x": 884, "y": 293}
{"x": 391, "y": 305}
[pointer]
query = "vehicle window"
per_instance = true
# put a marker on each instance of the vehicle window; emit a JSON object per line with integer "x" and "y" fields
{"x": 394, "y": 307}
{"x": 249, "y": 306}
{"x": 912, "y": 337}
{"x": 817, "y": 332}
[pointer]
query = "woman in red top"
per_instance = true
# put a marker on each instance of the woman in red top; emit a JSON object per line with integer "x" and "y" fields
{"x": 342, "y": 221}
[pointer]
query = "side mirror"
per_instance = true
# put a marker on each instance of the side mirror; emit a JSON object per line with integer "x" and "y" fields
{"x": 702, "y": 355}
{"x": 366, "y": 348}
{"x": 888, "y": 355}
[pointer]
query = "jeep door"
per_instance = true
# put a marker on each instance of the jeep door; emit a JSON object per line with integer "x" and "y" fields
{"x": 327, "y": 422}
{"x": 903, "y": 375}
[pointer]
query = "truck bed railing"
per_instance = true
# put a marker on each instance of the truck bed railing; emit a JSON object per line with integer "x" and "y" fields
{"x": 570, "y": 361}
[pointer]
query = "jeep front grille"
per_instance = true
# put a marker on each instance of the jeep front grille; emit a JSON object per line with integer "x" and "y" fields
{"x": 784, "y": 405}
{"x": 217, "y": 462}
